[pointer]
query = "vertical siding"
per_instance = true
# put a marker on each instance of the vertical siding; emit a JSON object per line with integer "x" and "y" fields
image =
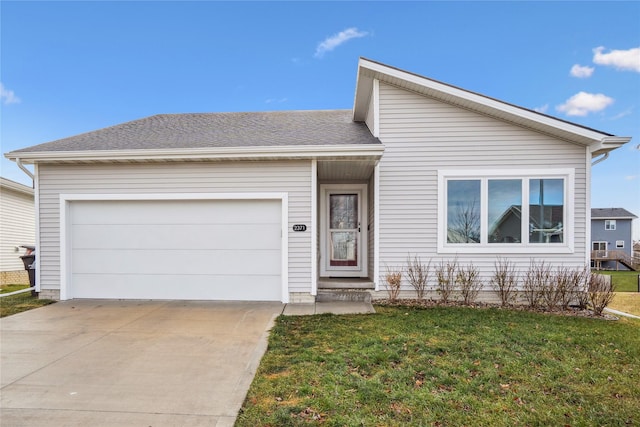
{"x": 292, "y": 177}
{"x": 421, "y": 136}
{"x": 17, "y": 227}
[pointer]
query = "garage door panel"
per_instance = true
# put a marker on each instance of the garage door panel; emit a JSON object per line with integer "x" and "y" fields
{"x": 174, "y": 249}
{"x": 179, "y": 287}
{"x": 179, "y": 236}
{"x": 173, "y": 212}
{"x": 104, "y": 261}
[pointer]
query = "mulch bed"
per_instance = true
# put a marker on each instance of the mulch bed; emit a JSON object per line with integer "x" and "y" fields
{"x": 428, "y": 303}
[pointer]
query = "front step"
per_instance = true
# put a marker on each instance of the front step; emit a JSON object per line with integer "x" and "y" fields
{"x": 344, "y": 295}
{"x": 344, "y": 283}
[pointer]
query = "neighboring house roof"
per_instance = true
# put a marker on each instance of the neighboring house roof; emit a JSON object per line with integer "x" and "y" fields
{"x": 15, "y": 186}
{"x": 611, "y": 213}
{"x": 369, "y": 71}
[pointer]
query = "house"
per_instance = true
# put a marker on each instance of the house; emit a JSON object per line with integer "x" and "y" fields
{"x": 281, "y": 205}
{"x": 611, "y": 239}
{"x": 17, "y": 228}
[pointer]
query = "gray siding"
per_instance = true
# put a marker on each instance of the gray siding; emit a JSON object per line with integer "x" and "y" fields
{"x": 421, "y": 136}
{"x": 622, "y": 232}
{"x": 292, "y": 177}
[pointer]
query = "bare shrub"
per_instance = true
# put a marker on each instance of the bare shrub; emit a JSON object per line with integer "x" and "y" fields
{"x": 580, "y": 284}
{"x": 446, "y": 273}
{"x": 534, "y": 283}
{"x": 393, "y": 277}
{"x": 547, "y": 285}
{"x": 601, "y": 292}
{"x": 418, "y": 275}
{"x": 467, "y": 280}
{"x": 505, "y": 281}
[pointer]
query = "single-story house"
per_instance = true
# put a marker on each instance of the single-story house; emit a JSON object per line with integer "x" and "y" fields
{"x": 279, "y": 205}
{"x": 17, "y": 228}
{"x": 611, "y": 239}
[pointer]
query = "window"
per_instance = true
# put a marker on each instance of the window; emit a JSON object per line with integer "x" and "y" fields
{"x": 620, "y": 244}
{"x": 609, "y": 224}
{"x": 512, "y": 210}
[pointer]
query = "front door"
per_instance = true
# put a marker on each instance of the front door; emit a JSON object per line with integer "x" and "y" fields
{"x": 343, "y": 230}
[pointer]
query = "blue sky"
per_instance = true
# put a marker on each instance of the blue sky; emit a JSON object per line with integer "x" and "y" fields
{"x": 73, "y": 67}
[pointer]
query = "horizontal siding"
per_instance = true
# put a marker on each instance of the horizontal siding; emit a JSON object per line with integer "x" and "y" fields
{"x": 292, "y": 177}
{"x": 17, "y": 227}
{"x": 421, "y": 136}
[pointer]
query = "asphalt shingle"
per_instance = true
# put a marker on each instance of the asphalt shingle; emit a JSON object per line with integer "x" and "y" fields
{"x": 611, "y": 213}
{"x": 213, "y": 130}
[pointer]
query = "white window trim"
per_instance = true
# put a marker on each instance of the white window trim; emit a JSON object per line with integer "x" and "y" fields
{"x": 496, "y": 248}
{"x": 610, "y": 222}
{"x": 619, "y": 244}
{"x": 65, "y": 227}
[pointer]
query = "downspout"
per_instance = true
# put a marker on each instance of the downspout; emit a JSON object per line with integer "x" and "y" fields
{"x": 604, "y": 157}
{"x": 25, "y": 170}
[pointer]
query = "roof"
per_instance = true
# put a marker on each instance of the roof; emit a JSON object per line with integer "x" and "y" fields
{"x": 368, "y": 71}
{"x": 611, "y": 213}
{"x": 207, "y": 130}
{"x": 7, "y": 184}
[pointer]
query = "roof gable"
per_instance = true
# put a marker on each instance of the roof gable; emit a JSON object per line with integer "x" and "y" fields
{"x": 611, "y": 213}
{"x": 370, "y": 71}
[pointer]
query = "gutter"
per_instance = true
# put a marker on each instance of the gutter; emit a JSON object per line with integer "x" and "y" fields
{"x": 231, "y": 153}
{"x": 601, "y": 159}
{"x": 24, "y": 169}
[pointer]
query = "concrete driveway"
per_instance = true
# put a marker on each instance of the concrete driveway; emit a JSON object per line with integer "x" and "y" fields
{"x": 131, "y": 363}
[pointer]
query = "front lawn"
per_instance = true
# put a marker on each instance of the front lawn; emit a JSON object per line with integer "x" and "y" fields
{"x": 5, "y": 289}
{"x": 624, "y": 281}
{"x": 18, "y": 303}
{"x": 447, "y": 366}
{"x": 626, "y": 301}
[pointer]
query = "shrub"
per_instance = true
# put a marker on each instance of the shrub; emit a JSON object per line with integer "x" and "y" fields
{"x": 505, "y": 281}
{"x": 581, "y": 287}
{"x": 418, "y": 275}
{"x": 446, "y": 274}
{"x": 600, "y": 292}
{"x": 393, "y": 277}
{"x": 535, "y": 283}
{"x": 467, "y": 279}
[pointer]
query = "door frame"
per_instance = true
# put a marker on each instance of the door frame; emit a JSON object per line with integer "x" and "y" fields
{"x": 363, "y": 247}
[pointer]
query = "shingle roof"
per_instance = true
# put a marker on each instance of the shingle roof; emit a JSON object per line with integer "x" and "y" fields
{"x": 611, "y": 213}
{"x": 212, "y": 130}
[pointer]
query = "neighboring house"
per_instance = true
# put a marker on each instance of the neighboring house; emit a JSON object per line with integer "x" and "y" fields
{"x": 280, "y": 205}
{"x": 17, "y": 227}
{"x": 611, "y": 239}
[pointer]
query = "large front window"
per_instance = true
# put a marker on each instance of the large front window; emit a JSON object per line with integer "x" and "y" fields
{"x": 507, "y": 208}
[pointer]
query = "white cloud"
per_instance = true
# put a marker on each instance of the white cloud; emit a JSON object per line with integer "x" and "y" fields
{"x": 330, "y": 43}
{"x": 584, "y": 103}
{"x": 626, "y": 60}
{"x": 7, "y": 96}
{"x": 581, "y": 72}
{"x": 275, "y": 100}
{"x": 630, "y": 177}
{"x": 543, "y": 109}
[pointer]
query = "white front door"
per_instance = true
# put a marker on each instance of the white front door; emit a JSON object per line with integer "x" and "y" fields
{"x": 343, "y": 230}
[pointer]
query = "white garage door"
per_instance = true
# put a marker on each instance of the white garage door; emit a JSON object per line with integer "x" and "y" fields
{"x": 179, "y": 249}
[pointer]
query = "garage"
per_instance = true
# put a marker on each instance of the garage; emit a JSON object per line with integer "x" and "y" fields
{"x": 175, "y": 249}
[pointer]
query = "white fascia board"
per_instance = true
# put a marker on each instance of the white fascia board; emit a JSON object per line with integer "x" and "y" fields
{"x": 483, "y": 102}
{"x": 16, "y": 186}
{"x": 224, "y": 153}
{"x": 607, "y": 144}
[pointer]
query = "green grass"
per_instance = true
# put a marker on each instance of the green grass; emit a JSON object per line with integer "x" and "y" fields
{"x": 447, "y": 367}
{"x": 624, "y": 281}
{"x": 627, "y": 302}
{"x": 5, "y": 289}
{"x": 14, "y": 304}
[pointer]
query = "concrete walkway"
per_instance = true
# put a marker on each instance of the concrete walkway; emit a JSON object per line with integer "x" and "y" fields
{"x": 136, "y": 363}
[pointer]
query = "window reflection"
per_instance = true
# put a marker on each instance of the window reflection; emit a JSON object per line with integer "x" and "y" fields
{"x": 546, "y": 210}
{"x": 463, "y": 211}
{"x": 505, "y": 210}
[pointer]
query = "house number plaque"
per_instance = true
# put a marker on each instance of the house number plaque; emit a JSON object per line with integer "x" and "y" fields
{"x": 299, "y": 227}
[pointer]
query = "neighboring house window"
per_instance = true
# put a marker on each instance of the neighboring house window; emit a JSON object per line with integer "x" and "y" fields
{"x": 619, "y": 244}
{"x": 511, "y": 209}
{"x": 609, "y": 224}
